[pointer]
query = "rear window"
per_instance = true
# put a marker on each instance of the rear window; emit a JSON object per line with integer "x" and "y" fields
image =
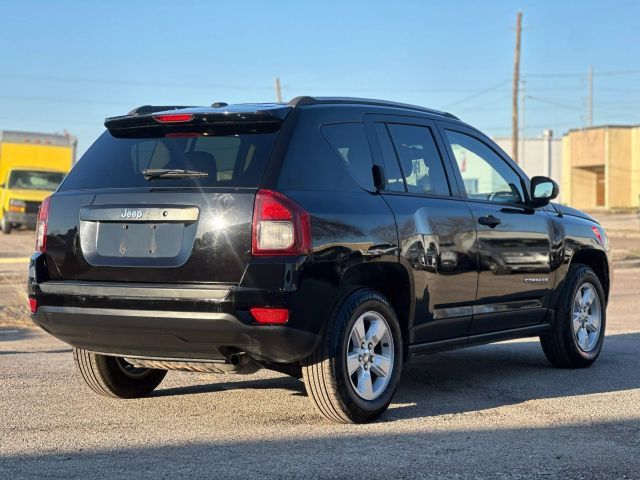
{"x": 234, "y": 160}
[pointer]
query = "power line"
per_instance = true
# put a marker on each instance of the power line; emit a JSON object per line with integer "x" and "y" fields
{"x": 132, "y": 82}
{"x": 554, "y": 103}
{"x": 76, "y": 101}
{"x": 478, "y": 94}
{"x": 582, "y": 75}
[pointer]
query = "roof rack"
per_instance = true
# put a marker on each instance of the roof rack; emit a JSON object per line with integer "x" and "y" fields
{"x": 306, "y": 100}
{"x": 147, "y": 109}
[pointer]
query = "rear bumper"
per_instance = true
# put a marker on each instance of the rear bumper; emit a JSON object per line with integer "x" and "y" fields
{"x": 183, "y": 321}
{"x": 173, "y": 334}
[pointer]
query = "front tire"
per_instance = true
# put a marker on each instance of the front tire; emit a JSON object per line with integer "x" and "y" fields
{"x": 354, "y": 373}
{"x": 114, "y": 376}
{"x": 578, "y": 330}
{"x": 5, "y": 225}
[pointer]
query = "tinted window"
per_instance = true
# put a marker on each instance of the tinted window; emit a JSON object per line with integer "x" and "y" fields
{"x": 486, "y": 176}
{"x": 230, "y": 161}
{"x": 419, "y": 159}
{"x": 349, "y": 141}
{"x": 395, "y": 180}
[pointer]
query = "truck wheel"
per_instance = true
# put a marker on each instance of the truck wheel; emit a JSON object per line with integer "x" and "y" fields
{"x": 114, "y": 376}
{"x": 5, "y": 224}
{"x": 354, "y": 373}
{"x": 577, "y": 334}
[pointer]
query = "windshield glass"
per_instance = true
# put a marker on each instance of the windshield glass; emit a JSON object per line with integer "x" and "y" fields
{"x": 230, "y": 160}
{"x": 32, "y": 180}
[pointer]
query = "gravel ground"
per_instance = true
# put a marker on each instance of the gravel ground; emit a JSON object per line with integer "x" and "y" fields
{"x": 498, "y": 411}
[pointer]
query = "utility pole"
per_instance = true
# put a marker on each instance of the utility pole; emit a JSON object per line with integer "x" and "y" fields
{"x": 516, "y": 84}
{"x": 278, "y": 90}
{"x": 522, "y": 155}
{"x": 590, "y": 97}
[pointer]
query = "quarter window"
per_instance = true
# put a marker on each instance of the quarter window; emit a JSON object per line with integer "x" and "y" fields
{"x": 349, "y": 140}
{"x": 485, "y": 175}
{"x": 419, "y": 159}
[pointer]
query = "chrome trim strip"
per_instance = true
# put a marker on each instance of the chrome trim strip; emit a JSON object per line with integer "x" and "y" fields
{"x": 514, "y": 306}
{"x": 165, "y": 292}
{"x": 506, "y": 306}
{"x": 440, "y": 313}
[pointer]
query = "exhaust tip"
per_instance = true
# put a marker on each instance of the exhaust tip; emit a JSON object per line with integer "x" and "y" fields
{"x": 235, "y": 359}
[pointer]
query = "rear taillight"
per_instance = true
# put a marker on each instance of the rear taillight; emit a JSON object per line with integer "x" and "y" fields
{"x": 280, "y": 226}
{"x": 41, "y": 229}
{"x": 33, "y": 305}
{"x": 270, "y": 315}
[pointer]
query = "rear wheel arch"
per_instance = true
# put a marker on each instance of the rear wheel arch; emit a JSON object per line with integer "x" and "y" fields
{"x": 391, "y": 280}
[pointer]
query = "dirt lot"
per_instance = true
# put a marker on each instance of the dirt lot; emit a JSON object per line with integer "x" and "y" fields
{"x": 15, "y": 250}
{"x": 498, "y": 411}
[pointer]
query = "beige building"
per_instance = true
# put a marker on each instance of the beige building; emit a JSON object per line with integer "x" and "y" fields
{"x": 601, "y": 167}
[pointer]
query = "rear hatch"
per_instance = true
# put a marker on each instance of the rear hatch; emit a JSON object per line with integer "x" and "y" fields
{"x": 163, "y": 198}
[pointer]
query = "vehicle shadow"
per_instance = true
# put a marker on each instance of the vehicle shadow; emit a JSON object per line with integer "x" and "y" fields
{"x": 13, "y": 334}
{"x": 550, "y": 451}
{"x": 478, "y": 378}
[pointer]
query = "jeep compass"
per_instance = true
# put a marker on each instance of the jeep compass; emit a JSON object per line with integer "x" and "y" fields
{"x": 331, "y": 239}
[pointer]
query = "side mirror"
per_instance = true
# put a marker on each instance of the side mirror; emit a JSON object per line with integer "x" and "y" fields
{"x": 543, "y": 190}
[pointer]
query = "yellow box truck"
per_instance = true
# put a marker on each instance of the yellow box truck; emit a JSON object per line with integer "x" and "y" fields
{"x": 32, "y": 165}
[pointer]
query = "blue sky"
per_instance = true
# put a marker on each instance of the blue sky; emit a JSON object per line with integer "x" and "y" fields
{"x": 68, "y": 65}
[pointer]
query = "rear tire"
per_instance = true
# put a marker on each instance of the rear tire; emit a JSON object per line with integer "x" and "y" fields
{"x": 578, "y": 329}
{"x": 346, "y": 381}
{"x": 5, "y": 224}
{"x": 114, "y": 376}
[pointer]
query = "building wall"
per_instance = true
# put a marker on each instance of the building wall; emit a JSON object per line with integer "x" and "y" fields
{"x": 618, "y": 168}
{"x": 635, "y": 166}
{"x": 588, "y": 147}
{"x": 615, "y": 151}
{"x": 583, "y": 189}
{"x": 565, "y": 186}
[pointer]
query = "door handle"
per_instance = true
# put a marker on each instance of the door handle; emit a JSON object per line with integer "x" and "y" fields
{"x": 489, "y": 221}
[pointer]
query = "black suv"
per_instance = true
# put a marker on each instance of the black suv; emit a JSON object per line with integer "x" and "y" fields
{"x": 331, "y": 239}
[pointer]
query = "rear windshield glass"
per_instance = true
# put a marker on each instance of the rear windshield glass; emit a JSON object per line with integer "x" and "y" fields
{"x": 229, "y": 161}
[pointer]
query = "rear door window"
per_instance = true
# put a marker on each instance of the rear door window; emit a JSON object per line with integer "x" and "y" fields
{"x": 229, "y": 160}
{"x": 420, "y": 159}
{"x": 349, "y": 141}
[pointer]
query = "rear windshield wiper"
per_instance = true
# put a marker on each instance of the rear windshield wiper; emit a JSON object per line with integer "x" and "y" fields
{"x": 151, "y": 173}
